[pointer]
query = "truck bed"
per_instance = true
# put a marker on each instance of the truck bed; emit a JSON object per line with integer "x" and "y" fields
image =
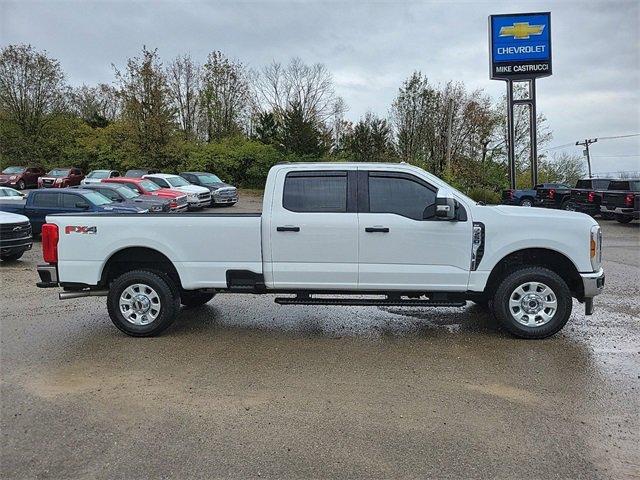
{"x": 202, "y": 246}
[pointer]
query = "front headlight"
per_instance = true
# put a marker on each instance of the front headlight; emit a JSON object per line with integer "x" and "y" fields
{"x": 595, "y": 247}
{"x": 12, "y": 177}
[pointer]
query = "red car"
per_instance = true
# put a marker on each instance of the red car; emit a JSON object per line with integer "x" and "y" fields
{"x": 20, "y": 177}
{"x": 147, "y": 187}
{"x": 61, "y": 177}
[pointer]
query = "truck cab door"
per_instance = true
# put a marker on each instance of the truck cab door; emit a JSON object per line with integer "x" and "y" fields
{"x": 398, "y": 248}
{"x": 40, "y": 204}
{"x": 313, "y": 231}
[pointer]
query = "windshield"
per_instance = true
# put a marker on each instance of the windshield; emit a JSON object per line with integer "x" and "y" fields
{"x": 97, "y": 198}
{"x": 99, "y": 174}
{"x": 59, "y": 172}
{"x": 149, "y": 185}
{"x": 177, "y": 182}
{"x": 127, "y": 192}
{"x": 209, "y": 179}
{"x": 10, "y": 170}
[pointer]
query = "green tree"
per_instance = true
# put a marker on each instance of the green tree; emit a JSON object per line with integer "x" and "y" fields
{"x": 300, "y": 136}
{"x": 147, "y": 106}
{"x": 267, "y": 128}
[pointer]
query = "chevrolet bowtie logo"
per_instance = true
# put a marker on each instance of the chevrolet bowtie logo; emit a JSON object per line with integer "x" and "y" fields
{"x": 521, "y": 30}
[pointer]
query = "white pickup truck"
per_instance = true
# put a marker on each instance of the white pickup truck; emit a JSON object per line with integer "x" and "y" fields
{"x": 334, "y": 234}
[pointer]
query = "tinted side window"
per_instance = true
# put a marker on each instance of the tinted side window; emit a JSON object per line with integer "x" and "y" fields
{"x": 583, "y": 184}
{"x": 316, "y": 193}
{"x": 399, "y": 195}
{"x": 601, "y": 184}
{"x": 110, "y": 194}
{"x": 46, "y": 200}
{"x": 619, "y": 185}
{"x": 69, "y": 200}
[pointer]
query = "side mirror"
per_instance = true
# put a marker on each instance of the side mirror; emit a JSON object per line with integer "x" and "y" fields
{"x": 445, "y": 208}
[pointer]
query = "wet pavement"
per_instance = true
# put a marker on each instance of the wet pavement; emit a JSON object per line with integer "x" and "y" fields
{"x": 245, "y": 388}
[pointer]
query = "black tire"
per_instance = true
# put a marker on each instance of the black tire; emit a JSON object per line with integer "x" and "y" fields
{"x": 195, "y": 299}
{"x": 508, "y": 286}
{"x": 526, "y": 202}
{"x": 623, "y": 219}
{"x": 21, "y": 185}
{"x": 566, "y": 205}
{"x": 162, "y": 285}
{"x": 11, "y": 257}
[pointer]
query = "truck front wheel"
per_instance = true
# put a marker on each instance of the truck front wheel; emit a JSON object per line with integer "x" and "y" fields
{"x": 143, "y": 303}
{"x": 532, "y": 302}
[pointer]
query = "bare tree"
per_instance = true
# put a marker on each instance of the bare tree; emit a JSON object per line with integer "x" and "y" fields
{"x": 183, "y": 77}
{"x": 97, "y": 105}
{"x": 224, "y": 97}
{"x": 311, "y": 87}
{"x": 31, "y": 87}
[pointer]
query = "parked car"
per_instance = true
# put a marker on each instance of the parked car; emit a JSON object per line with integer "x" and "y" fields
{"x": 587, "y": 196}
{"x": 392, "y": 230}
{"x": 127, "y": 196}
{"x": 61, "y": 177}
{"x": 553, "y": 195}
{"x": 7, "y": 193}
{"x": 96, "y": 176}
{"x": 140, "y": 172}
{"x": 525, "y": 198}
{"x": 147, "y": 187}
{"x": 15, "y": 236}
{"x": 221, "y": 193}
{"x": 41, "y": 203}
{"x": 197, "y": 197}
{"x": 20, "y": 177}
{"x": 621, "y": 200}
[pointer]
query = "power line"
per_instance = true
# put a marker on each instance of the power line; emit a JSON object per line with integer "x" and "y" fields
{"x": 616, "y": 156}
{"x": 619, "y": 136}
{"x": 599, "y": 138}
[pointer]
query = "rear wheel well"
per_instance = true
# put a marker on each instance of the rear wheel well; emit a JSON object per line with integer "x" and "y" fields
{"x": 137, "y": 258}
{"x": 541, "y": 257}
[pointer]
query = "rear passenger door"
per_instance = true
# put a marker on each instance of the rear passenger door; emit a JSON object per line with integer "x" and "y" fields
{"x": 314, "y": 230}
{"x": 43, "y": 204}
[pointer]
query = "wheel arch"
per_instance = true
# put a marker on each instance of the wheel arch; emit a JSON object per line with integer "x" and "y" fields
{"x": 137, "y": 258}
{"x": 541, "y": 257}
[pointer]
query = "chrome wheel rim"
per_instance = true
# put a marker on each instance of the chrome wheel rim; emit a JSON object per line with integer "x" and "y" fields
{"x": 533, "y": 304}
{"x": 526, "y": 203}
{"x": 140, "y": 304}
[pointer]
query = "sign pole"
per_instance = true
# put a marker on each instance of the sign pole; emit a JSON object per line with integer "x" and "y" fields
{"x": 511, "y": 147}
{"x": 533, "y": 133}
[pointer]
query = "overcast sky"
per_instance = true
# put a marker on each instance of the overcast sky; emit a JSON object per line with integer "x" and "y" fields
{"x": 370, "y": 47}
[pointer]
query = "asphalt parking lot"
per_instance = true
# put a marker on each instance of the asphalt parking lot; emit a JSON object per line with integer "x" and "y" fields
{"x": 245, "y": 388}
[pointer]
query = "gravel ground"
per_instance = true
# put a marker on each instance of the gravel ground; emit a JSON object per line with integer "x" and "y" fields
{"x": 245, "y": 388}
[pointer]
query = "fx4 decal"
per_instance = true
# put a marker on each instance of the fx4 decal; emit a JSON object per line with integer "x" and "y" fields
{"x": 80, "y": 229}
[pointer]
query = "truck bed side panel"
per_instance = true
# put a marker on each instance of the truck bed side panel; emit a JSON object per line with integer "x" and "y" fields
{"x": 201, "y": 247}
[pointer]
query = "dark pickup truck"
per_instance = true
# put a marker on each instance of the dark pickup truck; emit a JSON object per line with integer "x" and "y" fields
{"x": 554, "y": 195}
{"x": 525, "y": 198}
{"x": 587, "y": 196}
{"x": 43, "y": 202}
{"x": 622, "y": 199}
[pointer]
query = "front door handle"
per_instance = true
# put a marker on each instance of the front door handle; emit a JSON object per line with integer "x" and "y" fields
{"x": 376, "y": 229}
{"x": 288, "y": 228}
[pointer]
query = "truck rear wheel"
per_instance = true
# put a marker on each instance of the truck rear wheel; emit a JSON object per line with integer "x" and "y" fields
{"x": 143, "y": 303}
{"x": 532, "y": 302}
{"x": 624, "y": 219}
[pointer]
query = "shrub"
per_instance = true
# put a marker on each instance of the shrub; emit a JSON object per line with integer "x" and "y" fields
{"x": 484, "y": 195}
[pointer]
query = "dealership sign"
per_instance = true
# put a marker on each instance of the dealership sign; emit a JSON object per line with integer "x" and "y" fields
{"x": 520, "y": 45}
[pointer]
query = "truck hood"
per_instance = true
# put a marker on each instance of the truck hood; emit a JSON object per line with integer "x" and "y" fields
{"x": 6, "y": 217}
{"x": 120, "y": 208}
{"x": 523, "y": 215}
{"x": 192, "y": 189}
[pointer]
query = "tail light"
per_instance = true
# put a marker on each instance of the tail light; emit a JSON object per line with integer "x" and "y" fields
{"x": 511, "y": 194}
{"x": 552, "y": 193}
{"x": 591, "y": 197}
{"x": 50, "y": 243}
{"x": 628, "y": 200}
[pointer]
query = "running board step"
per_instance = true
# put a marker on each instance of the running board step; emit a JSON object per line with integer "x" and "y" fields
{"x": 367, "y": 302}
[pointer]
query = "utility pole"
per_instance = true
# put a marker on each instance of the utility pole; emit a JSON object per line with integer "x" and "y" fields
{"x": 585, "y": 144}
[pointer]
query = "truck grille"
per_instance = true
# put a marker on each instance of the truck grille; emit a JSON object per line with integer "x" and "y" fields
{"x": 48, "y": 182}
{"x": 13, "y": 231}
{"x": 225, "y": 193}
{"x": 204, "y": 196}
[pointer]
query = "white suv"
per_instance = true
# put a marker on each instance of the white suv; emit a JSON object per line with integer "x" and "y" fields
{"x": 197, "y": 197}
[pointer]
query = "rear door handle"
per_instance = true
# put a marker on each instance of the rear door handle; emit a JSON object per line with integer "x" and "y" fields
{"x": 288, "y": 228}
{"x": 376, "y": 229}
